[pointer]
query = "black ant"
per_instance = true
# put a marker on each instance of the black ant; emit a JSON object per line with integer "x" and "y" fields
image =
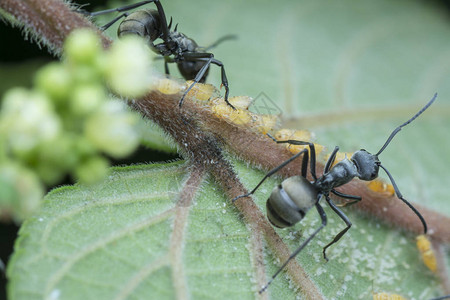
{"x": 193, "y": 61}
{"x": 291, "y": 200}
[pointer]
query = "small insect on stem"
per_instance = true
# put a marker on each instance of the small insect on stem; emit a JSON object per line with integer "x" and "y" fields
{"x": 387, "y": 296}
{"x": 192, "y": 60}
{"x": 295, "y": 196}
{"x": 426, "y": 251}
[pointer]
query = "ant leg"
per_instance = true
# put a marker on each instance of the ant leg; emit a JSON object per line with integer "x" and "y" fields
{"x": 109, "y": 24}
{"x": 340, "y": 234}
{"x": 219, "y": 41}
{"x": 305, "y": 156}
{"x": 209, "y": 59}
{"x": 330, "y": 160}
{"x": 166, "y": 67}
{"x": 305, "y": 164}
{"x": 161, "y": 13}
{"x": 323, "y": 217}
{"x": 117, "y": 9}
{"x": 355, "y": 199}
{"x": 271, "y": 172}
{"x": 167, "y": 60}
{"x": 400, "y": 196}
{"x": 301, "y": 143}
{"x": 224, "y": 80}
{"x": 198, "y": 77}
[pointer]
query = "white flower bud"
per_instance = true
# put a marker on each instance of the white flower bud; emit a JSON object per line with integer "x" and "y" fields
{"x": 128, "y": 67}
{"x": 27, "y": 118}
{"x": 113, "y": 129}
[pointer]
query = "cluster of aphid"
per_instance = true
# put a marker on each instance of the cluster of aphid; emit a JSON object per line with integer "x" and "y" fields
{"x": 295, "y": 196}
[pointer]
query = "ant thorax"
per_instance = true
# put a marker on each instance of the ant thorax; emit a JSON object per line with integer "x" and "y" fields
{"x": 184, "y": 43}
{"x": 340, "y": 174}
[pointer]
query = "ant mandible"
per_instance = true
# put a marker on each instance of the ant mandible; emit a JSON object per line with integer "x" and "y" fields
{"x": 193, "y": 61}
{"x": 295, "y": 196}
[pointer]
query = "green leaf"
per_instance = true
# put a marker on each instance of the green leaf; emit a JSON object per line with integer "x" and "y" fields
{"x": 349, "y": 72}
{"x": 123, "y": 239}
{"x": 116, "y": 240}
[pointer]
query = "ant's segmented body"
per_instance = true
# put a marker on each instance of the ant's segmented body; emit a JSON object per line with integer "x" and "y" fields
{"x": 295, "y": 196}
{"x": 193, "y": 61}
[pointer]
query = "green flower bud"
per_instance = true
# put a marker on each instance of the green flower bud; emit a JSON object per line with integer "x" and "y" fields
{"x": 83, "y": 147}
{"x": 83, "y": 46}
{"x": 92, "y": 170}
{"x": 87, "y": 98}
{"x": 86, "y": 74}
{"x": 27, "y": 119}
{"x": 113, "y": 130}
{"x": 50, "y": 174}
{"x": 128, "y": 67}
{"x": 21, "y": 191}
{"x": 54, "y": 80}
{"x": 59, "y": 154}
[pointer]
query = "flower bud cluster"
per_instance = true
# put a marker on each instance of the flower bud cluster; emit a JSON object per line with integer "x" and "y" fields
{"x": 69, "y": 123}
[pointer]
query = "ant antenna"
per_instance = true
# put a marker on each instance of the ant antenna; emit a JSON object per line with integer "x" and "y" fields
{"x": 222, "y": 39}
{"x": 396, "y": 130}
{"x": 397, "y": 191}
{"x": 170, "y": 23}
{"x": 400, "y": 196}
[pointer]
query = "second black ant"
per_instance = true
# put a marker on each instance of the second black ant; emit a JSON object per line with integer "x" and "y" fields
{"x": 192, "y": 60}
{"x": 295, "y": 196}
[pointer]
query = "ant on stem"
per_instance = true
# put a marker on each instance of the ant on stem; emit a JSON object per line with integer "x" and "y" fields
{"x": 192, "y": 60}
{"x": 295, "y": 196}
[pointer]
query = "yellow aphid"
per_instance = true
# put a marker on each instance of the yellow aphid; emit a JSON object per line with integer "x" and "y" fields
{"x": 292, "y": 134}
{"x": 236, "y": 116}
{"x": 168, "y": 86}
{"x": 387, "y": 296}
{"x": 241, "y": 102}
{"x": 264, "y": 123}
{"x": 202, "y": 92}
{"x": 426, "y": 250}
{"x": 380, "y": 186}
{"x": 298, "y": 135}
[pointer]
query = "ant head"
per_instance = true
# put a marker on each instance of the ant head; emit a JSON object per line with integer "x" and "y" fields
{"x": 367, "y": 165}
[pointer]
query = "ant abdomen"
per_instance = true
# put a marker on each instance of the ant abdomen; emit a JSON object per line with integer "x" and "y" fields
{"x": 145, "y": 23}
{"x": 188, "y": 69}
{"x": 290, "y": 201}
